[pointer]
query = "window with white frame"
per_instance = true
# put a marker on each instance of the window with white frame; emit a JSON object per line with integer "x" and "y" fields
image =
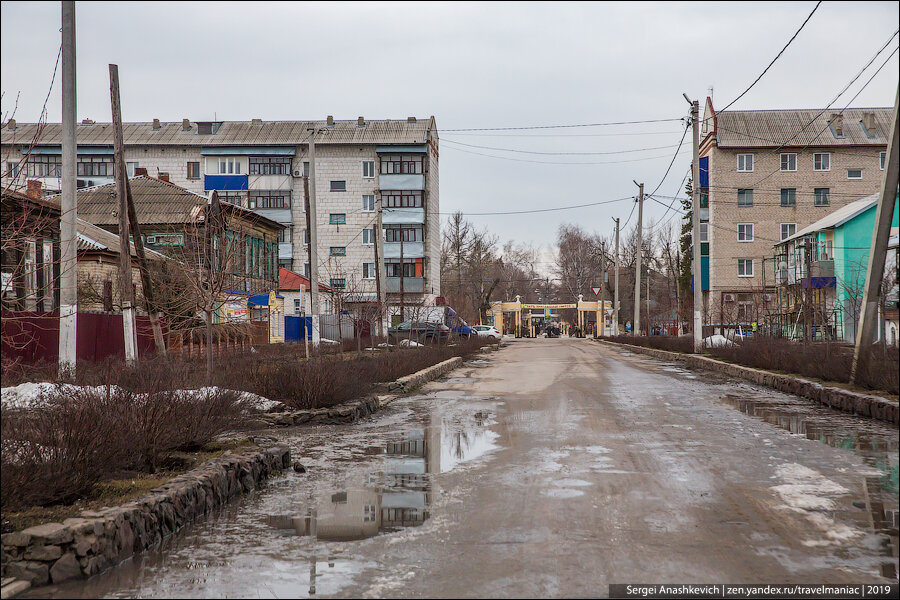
{"x": 368, "y": 236}
{"x": 822, "y": 161}
{"x": 368, "y": 167}
{"x": 368, "y": 270}
{"x": 229, "y": 166}
{"x": 130, "y": 167}
{"x": 368, "y": 203}
{"x": 789, "y": 161}
{"x": 704, "y": 232}
{"x": 822, "y": 196}
{"x": 298, "y": 306}
{"x": 744, "y": 163}
{"x": 745, "y": 267}
{"x": 881, "y": 158}
{"x": 854, "y": 173}
{"x": 284, "y": 236}
{"x": 787, "y": 230}
{"x": 745, "y": 232}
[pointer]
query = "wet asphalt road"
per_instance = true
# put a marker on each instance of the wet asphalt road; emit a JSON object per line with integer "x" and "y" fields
{"x": 550, "y": 468}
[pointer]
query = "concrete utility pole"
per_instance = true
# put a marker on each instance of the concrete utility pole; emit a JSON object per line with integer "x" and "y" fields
{"x": 379, "y": 265}
{"x": 695, "y": 228}
{"x": 636, "y": 324}
{"x": 868, "y": 319}
{"x": 126, "y": 287}
{"x": 313, "y": 241}
{"x": 616, "y": 293}
{"x": 68, "y": 304}
{"x": 602, "y": 289}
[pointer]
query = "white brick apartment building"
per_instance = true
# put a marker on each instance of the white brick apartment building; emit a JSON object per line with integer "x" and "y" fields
{"x": 766, "y": 174}
{"x": 264, "y": 166}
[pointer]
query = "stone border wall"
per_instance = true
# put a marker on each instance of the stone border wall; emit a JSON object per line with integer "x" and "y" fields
{"x": 96, "y": 540}
{"x": 838, "y": 398}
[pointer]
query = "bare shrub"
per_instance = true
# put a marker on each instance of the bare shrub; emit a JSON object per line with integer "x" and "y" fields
{"x": 660, "y": 342}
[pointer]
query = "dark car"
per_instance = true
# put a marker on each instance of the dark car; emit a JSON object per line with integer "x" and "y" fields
{"x": 421, "y": 332}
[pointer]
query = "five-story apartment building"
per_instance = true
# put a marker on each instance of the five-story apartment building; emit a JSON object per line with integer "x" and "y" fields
{"x": 264, "y": 166}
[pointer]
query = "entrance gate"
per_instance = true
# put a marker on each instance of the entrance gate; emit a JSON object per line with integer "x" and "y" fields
{"x": 513, "y": 311}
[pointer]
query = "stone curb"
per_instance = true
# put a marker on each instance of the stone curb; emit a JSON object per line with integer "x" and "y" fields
{"x": 351, "y": 412}
{"x": 97, "y": 540}
{"x": 867, "y": 405}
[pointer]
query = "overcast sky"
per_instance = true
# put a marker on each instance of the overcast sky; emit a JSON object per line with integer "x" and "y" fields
{"x": 473, "y": 65}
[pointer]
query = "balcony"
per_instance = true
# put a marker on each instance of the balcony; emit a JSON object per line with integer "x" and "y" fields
{"x": 822, "y": 268}
{"x": 414, "y": 285}
{"x": 403, "y": 216}
{"x": 401, "y": 182}
{"x": 410, "y": 250}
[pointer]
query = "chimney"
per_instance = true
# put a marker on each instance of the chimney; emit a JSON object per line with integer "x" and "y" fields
{"x": 87, "y": 122}
{"x": 410, "y": 119}
{"x": 33, "y": 189}
{"x": 138, "y": 171}
{"x": 868, "y": 123}
{"x": 156, "y": 124}
{"x": 256, "y": 122}
{"x": 11, "y": 124}
{"x": 361, "y": 122}
{"x": 185, "y": 124}
{"x": 837, "y": 123}
{"x": 329, "y": 121}
{"x": 163, "y": 177}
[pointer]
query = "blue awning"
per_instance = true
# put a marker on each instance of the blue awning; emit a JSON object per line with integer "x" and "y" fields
{"x": 81, "y": 150}
{"x": 247, "y": 150}
{"x": 261, "y": 299}
{"x": 392, "y": 149}
{"x": 225, "y": 182}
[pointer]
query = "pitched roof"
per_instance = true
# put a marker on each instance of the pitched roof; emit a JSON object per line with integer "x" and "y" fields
{"x": 771, "y": 128}
{"x": 156, "y": 202}
{"x": 92, "y": 238}
{"x": 836, "y": 218}
{"x": 290, "y": 281}
{"x": 230, "y": 133}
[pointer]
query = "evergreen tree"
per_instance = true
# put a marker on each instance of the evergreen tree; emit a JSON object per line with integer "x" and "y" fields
{"x": 687, "y": 254}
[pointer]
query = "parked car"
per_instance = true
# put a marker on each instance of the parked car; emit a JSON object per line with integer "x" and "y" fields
{"x": 419, "y": 331}
{"x": 488, "y": 331}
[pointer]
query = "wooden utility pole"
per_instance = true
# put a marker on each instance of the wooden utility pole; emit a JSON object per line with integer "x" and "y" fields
{"x": 68, "y": 295}
{"x": 313, "y": 240}
{"x": 868, "y": 319}
{"x": 616, "y": 292}
{"x": 636, "y": 325}
{"x": 602, "y": 324}
{"x": 379, "y": 265}
{"x": 695, "y": 228}
{"x": 307, "y": 334}
{"x": 126, "y": 287}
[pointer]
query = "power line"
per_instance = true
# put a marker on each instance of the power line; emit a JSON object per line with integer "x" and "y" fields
{"x": 562, "y": 126}
{"x": 669, "y": 168}
{"x": 527, "y": 135}
{"x": 541, "y": 210}
{"x": 559, "y": 153}
{"x": 550, "y": 162}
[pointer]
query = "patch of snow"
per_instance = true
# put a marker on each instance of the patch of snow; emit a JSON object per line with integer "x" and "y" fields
{"x": 717, "y": 341}
{"x": 327, "y": 341}
{"x": 409, "y": 344}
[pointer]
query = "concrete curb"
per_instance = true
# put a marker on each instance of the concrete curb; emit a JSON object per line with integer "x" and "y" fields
{"x": 867, "y": 405}
{"x": 97, "y": 540}
{"x": 350, "y": 412}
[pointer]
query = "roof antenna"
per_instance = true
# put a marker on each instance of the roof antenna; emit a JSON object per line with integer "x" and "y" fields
{"x": 709, "y": 92}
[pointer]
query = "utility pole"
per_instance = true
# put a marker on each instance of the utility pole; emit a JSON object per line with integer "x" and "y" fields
{"x": 307, "y": 309}
{"x": 602, "y": 323}
{"x": 695, "y": 228}
{"x": 402, "y": 274}
{"x": 648, "y": 298}
{"x": 313, "y": 240}
{"x": 126, "y": 287}
{"x": 379, "y": 265}
{"x": 68, "y": 305}
{"x": 875, "y": 272}
{"x": 146, "y": 283}
{"x": 616, "y": 292}
{"x": 636, "y": 325}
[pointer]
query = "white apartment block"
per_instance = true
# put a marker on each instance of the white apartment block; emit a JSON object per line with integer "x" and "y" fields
{"x": 264, "y": 166}
{"x": 766, "y": 174}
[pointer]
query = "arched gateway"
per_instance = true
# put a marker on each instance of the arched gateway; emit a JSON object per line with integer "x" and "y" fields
{"x": 518, "y": 317}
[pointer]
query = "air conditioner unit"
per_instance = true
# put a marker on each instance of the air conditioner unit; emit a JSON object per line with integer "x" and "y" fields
{"x": 728, "y": 297}
{"x": 298, "y": 173}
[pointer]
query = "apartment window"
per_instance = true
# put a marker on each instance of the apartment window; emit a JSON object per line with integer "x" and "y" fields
{"x": 306, "y": 237}
{"x": 704, "y": 232}
{"x": 97, "y": 166}
{"x": 338, "y": 283}
{"x": 270, "y": 165}
{"x": 393, "y": 268}
{"x": 269, "y": 199}
{"x": 338, "y": 186}
{"x": 787, "y": 230}
{"x": 306, "y": 168}
{"x": 405, "y": 164}
{"x": 744, "y": 163}
{"x": 368, "y": 169}
{"x": 45, "y": 166}
{"x": 337, "y": 218}
{"x": 338, "y": 251}
{"x": 396, "y": 199}
{"x": 789, "y": 196}
{"x": 131, "y": 166}
{"x": 368, "y": 270}
{"x": 229, "y": 166}
{"x": 881, "y": 158}
{"x": 368, "y": 236}
{"x": 368, "y": 203}
{"x": 745, "y": 267}
{"x": 745, "y": 232}
{"x": 745, "y": 197}
{"x": 12, "y": 169}
{"x": 405, "y": 234}
{"x": 306, "y": 270}
{"x": 789, "y": 162}
{"x": 284, "y": 236}
{"x": 854, "y": 173}
{"x": 236, "y": 198}
{"x": 822, "y": 161}
{"x": 193, "y": 170}
{"x": 298, "y": 306}
{"x": 704, "y": 199}
{"x": 822, "y": 196}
